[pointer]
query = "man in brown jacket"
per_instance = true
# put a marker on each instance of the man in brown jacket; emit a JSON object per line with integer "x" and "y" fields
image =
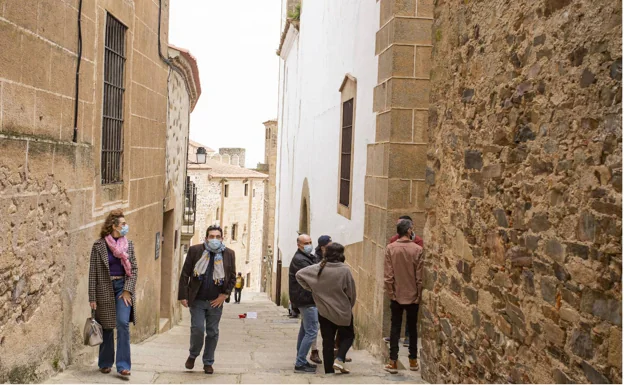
{"x": 207, "y": 279}
{"x": 403, "y": 268}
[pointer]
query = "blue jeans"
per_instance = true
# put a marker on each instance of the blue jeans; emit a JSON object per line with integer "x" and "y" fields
{"x": 107, "y": 348}
{"x": 202, "y": 313}
{"x": 307, "y": 333}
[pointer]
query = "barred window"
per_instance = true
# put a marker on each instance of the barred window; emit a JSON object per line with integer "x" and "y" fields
{"x": 112, "y": 108}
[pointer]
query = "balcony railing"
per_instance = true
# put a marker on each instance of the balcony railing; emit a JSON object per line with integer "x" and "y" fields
{"x": 190, "y": 206}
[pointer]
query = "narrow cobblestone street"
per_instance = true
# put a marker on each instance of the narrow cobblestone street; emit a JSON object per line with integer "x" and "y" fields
{"x": 250, "y": 351}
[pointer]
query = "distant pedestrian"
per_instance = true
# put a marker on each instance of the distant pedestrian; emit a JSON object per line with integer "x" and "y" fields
{"x": 403, "y": 269}
{"x": 112, "y": 280}
{"x": 207, "y": 279}
{"x": 238, "y": 288}
{"x": 323, "y": 242}
{"x": 303, "y": 300}
{"x": 333, "y": 289}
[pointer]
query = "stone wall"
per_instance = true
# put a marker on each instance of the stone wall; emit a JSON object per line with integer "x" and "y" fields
{"x": 245, "y": 211}
{"x": 234, "y": 153}
{"x": 523, "y": 235}
{"x": 52, "y": 202}
{"x": 178, "y": 120}
{"x": 208, "y": 200}
{"x": 269, "y": 202}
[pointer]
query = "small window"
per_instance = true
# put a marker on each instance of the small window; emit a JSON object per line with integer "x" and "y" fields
{"x": 234, "y": 231}
{"x": 226, "y": 190}
{"x": 113, "y": 101}
{"x": 248, "y": 279}
{"x": 268, "y": 133}
{"x": 253, "y": 193}
{"x": 246, "y": 189}
{"x": 217, "y": 216}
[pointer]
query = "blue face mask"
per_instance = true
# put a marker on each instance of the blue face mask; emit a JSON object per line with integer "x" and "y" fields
{"x": 308, "y": 249}
{"x": 124, "y": 230}
{"x": 213, "y": 244}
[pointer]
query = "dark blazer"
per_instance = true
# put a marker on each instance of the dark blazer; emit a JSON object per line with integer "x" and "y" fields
{"x": 299, "y": 297}
{"x": 189, "y": 285}
{"x": 101, "y": 288}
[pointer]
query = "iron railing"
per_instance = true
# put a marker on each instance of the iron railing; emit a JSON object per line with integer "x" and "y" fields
{"x": 190, "y": 207}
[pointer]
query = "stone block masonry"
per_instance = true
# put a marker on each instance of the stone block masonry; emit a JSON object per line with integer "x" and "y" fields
{"x": 52, "y": 201}
{"x": 524, "y": 176}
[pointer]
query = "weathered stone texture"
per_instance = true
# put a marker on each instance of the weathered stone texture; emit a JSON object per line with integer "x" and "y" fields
{"x": 524, "y": 172}
{"x": 52, "y": 202}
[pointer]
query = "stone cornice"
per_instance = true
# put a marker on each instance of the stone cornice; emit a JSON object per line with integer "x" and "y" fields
{"x": 288, "y": 37}
{"x": 185, "y": 62}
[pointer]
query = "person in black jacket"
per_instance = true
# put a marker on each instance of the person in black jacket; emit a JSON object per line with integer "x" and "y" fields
{"x": 323, "y": 242}
{"x": 302, "y": 300}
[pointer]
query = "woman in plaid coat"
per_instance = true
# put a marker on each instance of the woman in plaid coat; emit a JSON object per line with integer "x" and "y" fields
{"x": 112, "y": 280}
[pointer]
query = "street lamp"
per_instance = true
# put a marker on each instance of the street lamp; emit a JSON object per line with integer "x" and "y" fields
{"x": 201, "y": 155}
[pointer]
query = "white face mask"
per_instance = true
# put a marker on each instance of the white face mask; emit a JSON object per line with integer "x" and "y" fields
{"x": 308, "y": 249}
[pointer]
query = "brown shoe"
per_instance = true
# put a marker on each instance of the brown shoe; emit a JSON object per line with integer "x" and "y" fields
{"x": 348, "y": 359}
{"x": 208, "y": 369}
{"x": 105, "y": 370}
{"x": 314, "y": 357}
{"x": 414, "y": 364}
{"x": 190, "y": 363}
{"x": 391, "y": 367}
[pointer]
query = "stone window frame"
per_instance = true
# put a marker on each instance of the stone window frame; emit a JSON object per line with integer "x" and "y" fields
{"x": 246, "y": 189}
{"x": 226, "y": 190}
{"x": 348, "y": 91}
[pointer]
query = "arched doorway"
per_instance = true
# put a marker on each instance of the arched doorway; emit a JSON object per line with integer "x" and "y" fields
{"x": 304, "y": 212}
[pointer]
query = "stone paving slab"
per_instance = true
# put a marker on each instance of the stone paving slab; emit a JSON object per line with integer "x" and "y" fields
{"x": 250, "y": 351}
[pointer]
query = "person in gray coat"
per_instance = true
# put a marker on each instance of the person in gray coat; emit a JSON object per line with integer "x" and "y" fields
{"x": 333, "y": 288}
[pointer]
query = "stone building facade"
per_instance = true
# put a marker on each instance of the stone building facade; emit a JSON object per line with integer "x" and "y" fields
{"x": 232, "y": 197}
{"x": 268, "y": 223}
{"x": 523, "y": 235}
{"x": 55, "y": 188}
{"x": 183, "y": 93}
{"x": 497, "y": 128}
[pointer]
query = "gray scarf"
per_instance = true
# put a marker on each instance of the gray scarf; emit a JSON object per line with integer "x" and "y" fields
{"x": 218, "y": 271}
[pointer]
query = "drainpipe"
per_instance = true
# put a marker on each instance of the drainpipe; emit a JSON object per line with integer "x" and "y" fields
{"x": 75, "y": 139}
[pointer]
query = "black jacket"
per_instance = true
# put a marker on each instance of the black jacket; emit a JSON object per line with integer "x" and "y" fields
{"x": 189, "y": 285}
{"x": 299, "y": 297}
{"x": 318, "y": 255}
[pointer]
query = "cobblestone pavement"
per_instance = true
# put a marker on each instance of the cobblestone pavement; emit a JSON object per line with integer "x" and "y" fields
{"x": 250, "y": 351}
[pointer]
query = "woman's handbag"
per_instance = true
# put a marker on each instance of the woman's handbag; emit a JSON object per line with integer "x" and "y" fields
{"x": 93, "y": 335}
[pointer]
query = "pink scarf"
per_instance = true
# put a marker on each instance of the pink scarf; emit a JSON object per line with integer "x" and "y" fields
{"x": 120, "y": 250}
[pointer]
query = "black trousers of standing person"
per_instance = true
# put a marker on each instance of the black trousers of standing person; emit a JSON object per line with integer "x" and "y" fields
{"x": 328, "y": 332}
{"x": 237, "y": 295}
{"x": 411, "y": 326}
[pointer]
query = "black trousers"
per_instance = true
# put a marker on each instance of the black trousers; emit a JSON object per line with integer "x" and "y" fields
{"x": 328, "y": 332}
{"x": 237, "y": 294}
{"x": 411, "y": 326}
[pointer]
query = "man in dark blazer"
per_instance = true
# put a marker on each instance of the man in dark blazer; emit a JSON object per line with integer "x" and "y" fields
{"x": 207, "y": 279}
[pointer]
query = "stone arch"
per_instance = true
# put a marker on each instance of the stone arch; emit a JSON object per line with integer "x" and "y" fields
{"x": 304, "y": 210}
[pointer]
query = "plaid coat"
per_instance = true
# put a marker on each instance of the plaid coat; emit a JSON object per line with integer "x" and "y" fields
{"x": 101, "y": 287}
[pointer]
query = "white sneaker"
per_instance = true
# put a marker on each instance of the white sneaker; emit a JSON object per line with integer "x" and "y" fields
{"x": 341, "y": 367}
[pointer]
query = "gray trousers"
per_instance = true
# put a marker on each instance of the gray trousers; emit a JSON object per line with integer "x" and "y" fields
{"x": 204, "y": 319}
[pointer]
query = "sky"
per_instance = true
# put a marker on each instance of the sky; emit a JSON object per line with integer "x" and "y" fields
{"x": 234, "y": 43}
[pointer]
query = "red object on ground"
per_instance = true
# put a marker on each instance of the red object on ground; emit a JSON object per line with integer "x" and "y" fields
{"x": 242, "y": 315}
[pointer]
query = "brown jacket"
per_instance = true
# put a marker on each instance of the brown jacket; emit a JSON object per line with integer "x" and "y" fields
{"x": 189, "y": 285}
{"x": 403, "y": 271}
{"x": 101, "y": 288}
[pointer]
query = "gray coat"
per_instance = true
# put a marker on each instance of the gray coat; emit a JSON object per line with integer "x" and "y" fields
{"x": 101, "y": 287}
